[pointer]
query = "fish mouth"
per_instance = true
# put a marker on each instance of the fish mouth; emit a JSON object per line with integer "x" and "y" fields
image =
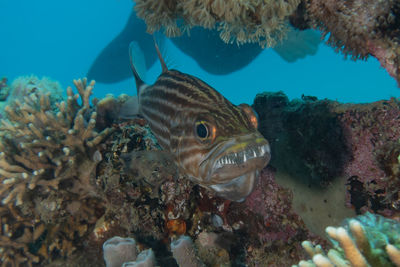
{"x": 251, "y": 156}
{"x": 231, "y": 169}
{"x": 238, "y": 188}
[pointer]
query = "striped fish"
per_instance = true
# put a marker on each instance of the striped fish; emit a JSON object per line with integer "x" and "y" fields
{"x": 215, "y": 143}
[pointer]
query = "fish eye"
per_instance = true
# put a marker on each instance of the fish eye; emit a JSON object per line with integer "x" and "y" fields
{"x": 204, "y": 131}
{"x": 251, "y": 115}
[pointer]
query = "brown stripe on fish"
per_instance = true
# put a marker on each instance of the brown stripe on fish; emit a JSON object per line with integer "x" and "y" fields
{"x": 191, "y": 150}
{"x": 190, "y": 82}
{"x": 188, "y": 162}
{"x": 191, "y": 89}
{"x": 162, "y": 105}
{"x": 158, "y": 126}
{"x": 174, "y": 99}
{"x": 171, "y": 101}
{"x": 187, "y": 96}
{"x": 175, "y": 94}
{"x": 157, "y": 115}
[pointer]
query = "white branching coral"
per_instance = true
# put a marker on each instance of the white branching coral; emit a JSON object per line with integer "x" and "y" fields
{"x": 367, "y": 240}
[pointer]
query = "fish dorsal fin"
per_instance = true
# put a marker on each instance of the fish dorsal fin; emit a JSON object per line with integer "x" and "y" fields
{"x": 164, "y": 67}
{"x": 138, "y": 64}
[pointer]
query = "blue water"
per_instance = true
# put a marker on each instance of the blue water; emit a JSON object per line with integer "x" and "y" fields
{"x": 60, "y": 39}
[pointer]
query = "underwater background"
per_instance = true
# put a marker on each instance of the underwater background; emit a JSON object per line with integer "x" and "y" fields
{"x": 61, "y": 41}
{"x": 307, "y": 174}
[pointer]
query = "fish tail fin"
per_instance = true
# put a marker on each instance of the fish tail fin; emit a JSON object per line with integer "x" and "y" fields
{"x": 298, "y": 44}
{"x": 138, "y": 64}
{"x": 164, "y": 67}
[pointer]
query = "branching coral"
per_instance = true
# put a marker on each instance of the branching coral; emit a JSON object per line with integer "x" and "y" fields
{"x": 47, "y": 167}
{"x": 14, "y": 249}
{"x": 367, "y": 240}
{"x": 41, "y": 147}
{"x": 243, "y": 21}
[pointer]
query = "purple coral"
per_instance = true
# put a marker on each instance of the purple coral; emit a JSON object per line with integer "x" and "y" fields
{"x": 273, "y": 204}
{"x": 372, "y": 132}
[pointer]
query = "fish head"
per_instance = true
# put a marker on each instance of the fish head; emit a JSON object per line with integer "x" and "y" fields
{"x": 223, "y": 151}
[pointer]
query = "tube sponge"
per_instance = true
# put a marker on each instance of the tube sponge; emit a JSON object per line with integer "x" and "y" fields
{"x": 118, "y": 250}
{"x": 146, "y": 258}
{"x": 184, "y": 252}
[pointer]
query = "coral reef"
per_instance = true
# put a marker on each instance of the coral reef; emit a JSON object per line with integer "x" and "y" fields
{"x": 32, "y": 85}
{"x": 123, "y": 252}
{"x": 184, "y": 252}
{"x": 74, "y": 174}
{"x": 268, "y": 223}
{"x": 367, "y": 240}
{"x": 372, "y": 132}
{"x": 42, "y": 147}
{"x": 325, "y": 140}
{"x": 4, "y": 89}
{"x": 307, "y": 132}
{"x": 4, "y": 93}
{"x": 28, "y": 86}
{"x": 120, "y": 251}
{"x": 361, "y": 28}
{"x": 241, "y": 21}
{"x": 352, "y": 24}
{"x": 148, "y": 200}
{"x": 357, "y": 28}
{"x": 48, "y": 160}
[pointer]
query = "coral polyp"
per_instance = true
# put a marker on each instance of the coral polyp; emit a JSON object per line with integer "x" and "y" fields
{"x": 240, "y": 21}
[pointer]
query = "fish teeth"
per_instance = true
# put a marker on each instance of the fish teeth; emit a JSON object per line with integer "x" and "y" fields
{"x": 243, "y": 156}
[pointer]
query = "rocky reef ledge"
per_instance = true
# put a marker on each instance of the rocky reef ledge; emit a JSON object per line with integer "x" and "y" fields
{"x": 73, "y": 175}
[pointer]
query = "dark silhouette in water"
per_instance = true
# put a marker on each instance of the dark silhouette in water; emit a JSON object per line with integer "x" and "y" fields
{"x": 204, "y": 46}
{"x": 112, "y": 64}
{"x": 214, "y": 55}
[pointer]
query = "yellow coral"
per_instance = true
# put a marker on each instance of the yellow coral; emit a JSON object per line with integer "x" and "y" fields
{"x": 262, "y": 21}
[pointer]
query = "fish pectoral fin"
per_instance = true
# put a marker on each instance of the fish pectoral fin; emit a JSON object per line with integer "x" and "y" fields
{"x": 145, "y": 162}
{"x": 129, "y": 109}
